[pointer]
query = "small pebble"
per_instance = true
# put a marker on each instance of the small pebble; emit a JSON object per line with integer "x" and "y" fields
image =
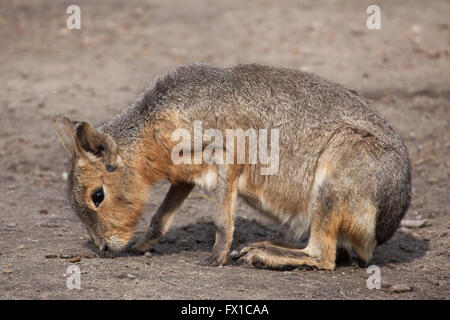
{"x": 7, "y": 271}
{"x": 43, "y": 211}
{"x": 440, "y": 283}
{"x": 432, "y": 180}
{"x": 75, "y": 259}
{"x": 148, "y": 254}
{"x": 21, "y": 247}
{"x": 131, "y": 276}
{"x": 401, "y": 288}
{"x": 51, "y": 256}
{"x": 66, "y": 256}
{"x": 11, "y": 225}
{"x": 412, "y": 223}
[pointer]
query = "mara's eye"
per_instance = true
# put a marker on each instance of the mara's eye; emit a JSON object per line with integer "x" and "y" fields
{"x": 98, "y": 196}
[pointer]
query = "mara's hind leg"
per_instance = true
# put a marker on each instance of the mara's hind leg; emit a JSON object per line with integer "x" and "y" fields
{"x": 357, "y": 230}
{"x": 339, "y": 216}
{"x": 353, "y": 229}
{"x": 319, "y": 253}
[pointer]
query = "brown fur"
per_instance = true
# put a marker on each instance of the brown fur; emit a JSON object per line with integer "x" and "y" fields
{"x": 344, "y": 172}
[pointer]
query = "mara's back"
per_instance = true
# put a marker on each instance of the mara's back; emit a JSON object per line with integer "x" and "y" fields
{"x": 257, "y": 96}
{"x": 303, "y": 106}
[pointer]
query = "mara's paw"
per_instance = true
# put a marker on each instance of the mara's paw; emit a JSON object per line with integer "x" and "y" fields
{"x": 275, "y": 258}
{"x": 251, "y": 256}
{"x": 137, "y": 247}
{"x": 244, "y": 249}
{"x": 213, "y": 261}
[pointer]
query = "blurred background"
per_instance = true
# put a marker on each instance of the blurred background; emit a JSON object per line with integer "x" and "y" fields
{"x": 122, "y": 45}
{"x": 95, "y": 72}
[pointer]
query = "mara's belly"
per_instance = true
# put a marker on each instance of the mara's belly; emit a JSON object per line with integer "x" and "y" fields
{"x": 277, "y": 199}
{"x": 287, "y": 209}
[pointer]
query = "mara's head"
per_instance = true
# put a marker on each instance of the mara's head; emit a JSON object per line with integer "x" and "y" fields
{"x": 105, "y": 190}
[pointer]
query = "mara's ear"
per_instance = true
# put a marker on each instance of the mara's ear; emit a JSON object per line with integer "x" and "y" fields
{"x": 99, "y": 144}
{"x": 65, "y": 129}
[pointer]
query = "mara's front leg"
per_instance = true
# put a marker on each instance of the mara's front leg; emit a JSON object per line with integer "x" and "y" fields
{"x": 162, "y": 218}
{"x": 226, "y": 189}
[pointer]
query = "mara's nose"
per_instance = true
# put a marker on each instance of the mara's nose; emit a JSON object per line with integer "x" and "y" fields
{"x": 104, "y": 247}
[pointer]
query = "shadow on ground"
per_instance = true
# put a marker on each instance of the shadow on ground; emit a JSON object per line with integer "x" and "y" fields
{"x": 200, "y": 237}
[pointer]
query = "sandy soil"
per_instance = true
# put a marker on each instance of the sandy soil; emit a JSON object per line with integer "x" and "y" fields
{"x": 97, "y": 71}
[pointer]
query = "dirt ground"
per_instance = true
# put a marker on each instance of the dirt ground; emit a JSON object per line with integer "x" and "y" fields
{"x": 95, "y": 72}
